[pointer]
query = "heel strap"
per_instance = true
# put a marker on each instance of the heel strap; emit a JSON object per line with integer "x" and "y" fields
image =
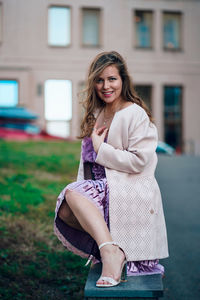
{"x": 107, "y": 243}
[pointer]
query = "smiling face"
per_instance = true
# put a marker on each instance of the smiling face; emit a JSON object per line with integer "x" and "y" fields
{"x": 108, "y": 85}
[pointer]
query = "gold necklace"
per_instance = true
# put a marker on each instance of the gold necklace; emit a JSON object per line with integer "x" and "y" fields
{"x": 108, "y": 119}
{"x": 105, "y": 120}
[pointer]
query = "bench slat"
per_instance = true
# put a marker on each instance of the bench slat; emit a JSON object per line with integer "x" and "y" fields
{"x": 137, "y": 287}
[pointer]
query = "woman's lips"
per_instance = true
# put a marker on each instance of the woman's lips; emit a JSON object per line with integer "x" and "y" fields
{"x": 107, "y": 94}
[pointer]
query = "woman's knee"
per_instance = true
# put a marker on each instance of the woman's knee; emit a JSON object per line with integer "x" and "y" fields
{"x": 70, "y": 196}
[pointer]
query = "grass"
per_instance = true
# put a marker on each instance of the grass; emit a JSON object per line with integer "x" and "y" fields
{"x": 33, "y": 263}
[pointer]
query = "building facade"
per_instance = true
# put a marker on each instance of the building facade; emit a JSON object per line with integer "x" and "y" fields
{"x": 46, "y": 47}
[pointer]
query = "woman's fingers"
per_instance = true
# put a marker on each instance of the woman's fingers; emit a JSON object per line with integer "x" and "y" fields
{"x": 95, "y": 127}
{"x": 101, "y": 130}
{"x": 98, "y": 139}
{"x": 104, "y": 133}
{"x": 99, "y": 134}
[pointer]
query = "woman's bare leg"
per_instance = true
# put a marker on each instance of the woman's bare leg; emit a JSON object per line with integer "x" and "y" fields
{"x": 93, "y": 222}
{"x": 88, "y": 216}
{"x": 66, "y": 215}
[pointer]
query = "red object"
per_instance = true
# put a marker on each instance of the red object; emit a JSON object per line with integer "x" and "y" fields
{"x": 20, "y": 135}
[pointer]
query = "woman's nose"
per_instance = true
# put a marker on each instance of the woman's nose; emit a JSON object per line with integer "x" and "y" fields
{"x": 106, "y": 84}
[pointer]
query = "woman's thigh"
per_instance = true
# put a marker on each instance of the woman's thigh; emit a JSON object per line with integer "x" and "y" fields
{"x": 66, "y": 215}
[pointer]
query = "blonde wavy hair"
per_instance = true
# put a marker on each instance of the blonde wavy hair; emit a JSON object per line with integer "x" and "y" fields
{"x": 92, "y": 102}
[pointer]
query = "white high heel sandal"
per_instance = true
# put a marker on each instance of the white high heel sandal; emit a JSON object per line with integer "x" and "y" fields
{"x": 111, "y": 281}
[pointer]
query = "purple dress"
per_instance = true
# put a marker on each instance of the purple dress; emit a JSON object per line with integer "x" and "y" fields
{"x": 96, "y": 191}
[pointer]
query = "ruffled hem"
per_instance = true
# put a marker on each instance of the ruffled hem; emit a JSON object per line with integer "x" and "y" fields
{"x": 147, "y": 267}
{"x": 69, "y": 246}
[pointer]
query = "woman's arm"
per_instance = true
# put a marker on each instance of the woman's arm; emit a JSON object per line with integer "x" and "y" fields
{"x": 142, "y": 143}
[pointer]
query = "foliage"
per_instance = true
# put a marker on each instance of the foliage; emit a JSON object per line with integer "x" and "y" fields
{"x": 33, "y": 263}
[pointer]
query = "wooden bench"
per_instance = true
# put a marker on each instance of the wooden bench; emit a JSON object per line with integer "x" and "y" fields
{"x": 136, "y": 287}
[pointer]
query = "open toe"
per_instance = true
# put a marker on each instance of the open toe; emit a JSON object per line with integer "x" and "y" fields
{"x": 106, "y": 282}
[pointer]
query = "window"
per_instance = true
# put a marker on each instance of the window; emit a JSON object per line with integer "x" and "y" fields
{"x": 144, "y": 92}
{"x": 91, "y": 27}
{"x": 58, "y": 106}
{"x": 59, "y": 26}
{"x": 143, "y": 28}
{"x": 172, "y": 31}
{"x": 1, "y": 23}
{"x": 173, "y": 116}
{"x": 8, "y": 93}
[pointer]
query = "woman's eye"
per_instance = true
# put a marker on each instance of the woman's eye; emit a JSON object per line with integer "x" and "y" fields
{"x": 112, "y": 78}
{"x": 99, "y": 80}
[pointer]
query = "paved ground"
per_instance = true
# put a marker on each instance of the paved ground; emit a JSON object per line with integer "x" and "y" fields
{"x": 179, "y": 180}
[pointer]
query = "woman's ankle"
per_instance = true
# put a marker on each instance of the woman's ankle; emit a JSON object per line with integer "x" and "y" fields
{"x": 111, "y": 250}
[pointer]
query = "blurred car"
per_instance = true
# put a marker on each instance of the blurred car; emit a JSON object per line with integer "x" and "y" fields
{"x": 164, "y": 148}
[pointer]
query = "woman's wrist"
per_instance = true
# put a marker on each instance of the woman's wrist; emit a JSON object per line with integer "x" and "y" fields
{"x": 97, "y": 146}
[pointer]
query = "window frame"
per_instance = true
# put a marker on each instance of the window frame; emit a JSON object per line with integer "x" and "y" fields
{"x": 174, "y": 85}
{"x": 18, "y": 91}
{"x": 134, "y": 29}
{"x": 67, "y": 121}
{"x": 47, "y": 26}
{"x": 99, "y": 45}
{"x": 44, "y": 103}
{"x": 180, "y": 48}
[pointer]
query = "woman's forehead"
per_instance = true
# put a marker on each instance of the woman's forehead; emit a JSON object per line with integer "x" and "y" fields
{"x": 109, "y": 71}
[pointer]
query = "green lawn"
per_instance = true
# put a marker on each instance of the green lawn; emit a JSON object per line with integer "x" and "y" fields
{"x": 33, "y": 263}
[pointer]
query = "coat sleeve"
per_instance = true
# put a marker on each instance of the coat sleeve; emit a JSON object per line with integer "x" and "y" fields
{"x": 142, "y": 143}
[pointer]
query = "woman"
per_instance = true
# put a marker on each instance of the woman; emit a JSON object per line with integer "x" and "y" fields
{"x": 114, "y": 211}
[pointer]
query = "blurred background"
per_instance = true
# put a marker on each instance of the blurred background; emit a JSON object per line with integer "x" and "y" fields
{"x": 46, "y": 47}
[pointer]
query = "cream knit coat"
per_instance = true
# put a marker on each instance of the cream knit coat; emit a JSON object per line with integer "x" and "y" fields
{"x": 137, "y": 221}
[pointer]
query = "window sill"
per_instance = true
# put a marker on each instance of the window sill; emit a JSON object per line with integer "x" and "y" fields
{"x": 91, "y": 46}
{"x": 173, "y": 50}
{"x": 58, "y": 47}
{"x": 144, "y": 48}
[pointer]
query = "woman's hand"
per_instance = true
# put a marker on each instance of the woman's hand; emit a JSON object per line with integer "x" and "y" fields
{"x": 98, "y": 136}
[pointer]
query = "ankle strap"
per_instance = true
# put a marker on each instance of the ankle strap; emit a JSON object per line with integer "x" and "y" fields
{"x": 107, "y": 243}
